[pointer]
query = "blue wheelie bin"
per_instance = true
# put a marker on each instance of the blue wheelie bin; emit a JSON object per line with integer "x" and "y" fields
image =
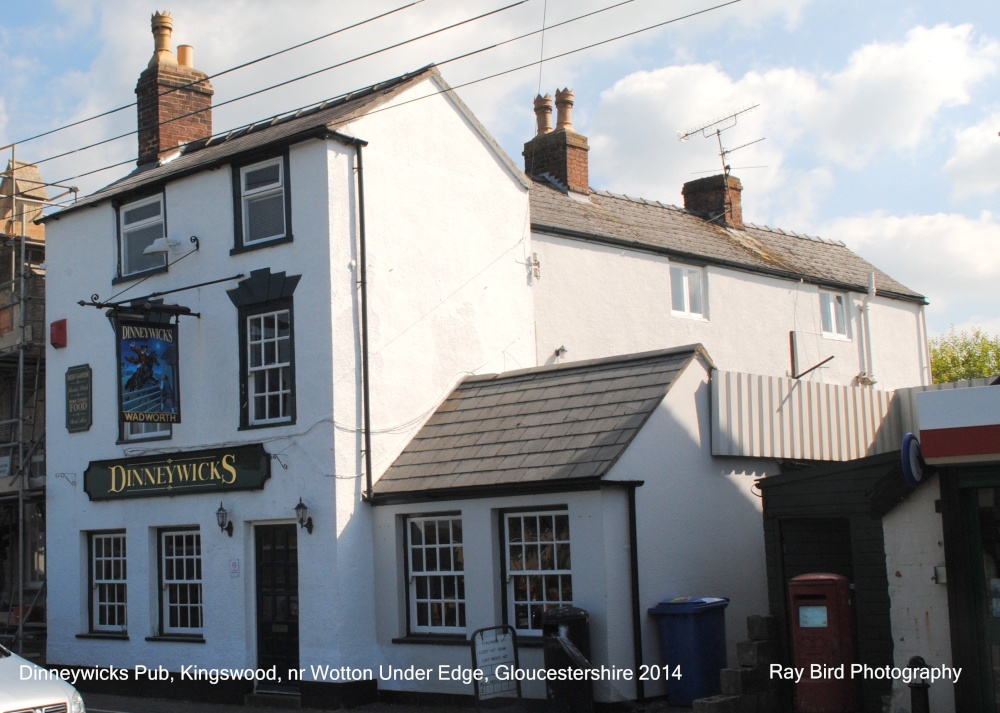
{"x": 693, "y": 645}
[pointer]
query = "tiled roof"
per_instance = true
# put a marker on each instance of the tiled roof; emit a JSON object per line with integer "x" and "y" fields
{"x": 557, "y": 424}
{"x": 676, "y": 232}
{"x": 284, "y": 128}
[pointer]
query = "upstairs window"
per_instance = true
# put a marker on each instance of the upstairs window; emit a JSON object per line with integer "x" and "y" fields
{"x": 142, "y": 222}
{"x": 263, "y": 208}
{"x": 687, "y": 290}
{"x": 833, "y": 307}
{"x": 269, "y": 366}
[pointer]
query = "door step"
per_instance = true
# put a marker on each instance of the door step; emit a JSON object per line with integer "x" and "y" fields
{"x": 287, "y": 701}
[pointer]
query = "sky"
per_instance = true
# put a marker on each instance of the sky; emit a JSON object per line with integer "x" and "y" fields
{"x": 879, "y": 121}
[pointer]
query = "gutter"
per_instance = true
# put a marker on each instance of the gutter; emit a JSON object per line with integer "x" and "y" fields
{"x": 507, "y": 490}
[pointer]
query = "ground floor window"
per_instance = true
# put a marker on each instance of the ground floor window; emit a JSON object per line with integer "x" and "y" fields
{"x": 181, "y": 608}
{"x": 436, "y": 574}
{"x": 108, "y": 576}
{"x": 539, "y": 575}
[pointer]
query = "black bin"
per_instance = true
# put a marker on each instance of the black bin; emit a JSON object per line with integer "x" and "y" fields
{"x": 567, "y": 645}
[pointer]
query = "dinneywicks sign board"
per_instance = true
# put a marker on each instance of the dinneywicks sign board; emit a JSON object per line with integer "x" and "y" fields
{"x": 148, "y": 387}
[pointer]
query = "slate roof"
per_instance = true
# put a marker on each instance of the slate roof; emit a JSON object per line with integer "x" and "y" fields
{"x": 562, "y": 424}
{"x": 317, "y": 120}
{"x": 650, "y": 225}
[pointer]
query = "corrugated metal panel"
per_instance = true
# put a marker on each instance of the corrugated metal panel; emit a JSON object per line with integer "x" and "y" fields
{"x": 777, "y": 417}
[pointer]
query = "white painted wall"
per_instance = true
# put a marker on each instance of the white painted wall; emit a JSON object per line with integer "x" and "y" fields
{"x": 448, "y": 297}
{"x": 599, "y": 301}
{"x": 914, "y": 545}
{"x": 700, "y": 530}
{"x": 600, "y": 568}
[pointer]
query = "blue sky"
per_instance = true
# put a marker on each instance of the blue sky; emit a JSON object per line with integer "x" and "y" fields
{"x": 880, "y": 119}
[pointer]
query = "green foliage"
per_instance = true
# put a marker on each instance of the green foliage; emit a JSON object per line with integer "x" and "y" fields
{"x": 964, "y": 355}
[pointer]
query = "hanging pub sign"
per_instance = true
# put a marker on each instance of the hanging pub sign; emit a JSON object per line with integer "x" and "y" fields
{"x": 214, "y": 470}
{"x": 148, "y": 390}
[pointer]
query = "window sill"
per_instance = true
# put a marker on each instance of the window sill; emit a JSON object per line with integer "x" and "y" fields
{"x": 689, "y": 315}
{"x": 273, "y": 424}
{"x": 137, "y": 275}
{"x": 179, "y": 638}
{"x": 103, "y": 635}
{"x": 241, "y": 248}
{"x": 836, "y": 337}
{"x": 433, "y": 639}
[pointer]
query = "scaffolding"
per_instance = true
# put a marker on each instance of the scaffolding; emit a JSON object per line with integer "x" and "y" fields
{"x": 23, "y": 196}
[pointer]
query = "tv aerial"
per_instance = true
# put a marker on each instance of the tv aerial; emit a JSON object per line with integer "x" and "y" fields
{"x": 715, "y": 128}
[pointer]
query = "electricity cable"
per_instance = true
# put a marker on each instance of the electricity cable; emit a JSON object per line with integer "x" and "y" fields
{"x": 289, "y": 81}
{"x": 464, "y": 84}
{"x": 244, "y": 65}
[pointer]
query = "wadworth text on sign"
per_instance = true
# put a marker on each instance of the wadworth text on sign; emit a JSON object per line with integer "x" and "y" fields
{"x": 148, "y": 390}
{"x": 208, "y": 471}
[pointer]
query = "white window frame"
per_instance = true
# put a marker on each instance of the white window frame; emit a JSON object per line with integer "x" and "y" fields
{"x": 436, "y": 587}
{"x": 549, "y": 584}
{"x": 276, "y": 372}
{"x": 681, "y": 279}
{"x": 182, "y": 606}
{"x": 249, "y": 196}
{"x": 147, "y": 431}
{"x": 156, "y": 262}
{"x": 109, "y": 582}
{"x": 833, "y": 305}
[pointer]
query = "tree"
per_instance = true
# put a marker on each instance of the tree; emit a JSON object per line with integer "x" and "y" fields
{"x": 964, "y": 355}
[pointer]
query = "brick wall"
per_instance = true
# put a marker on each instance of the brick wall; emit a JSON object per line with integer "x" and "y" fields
{"x": 562, "y": 154}
{"x": 171, "y": 109}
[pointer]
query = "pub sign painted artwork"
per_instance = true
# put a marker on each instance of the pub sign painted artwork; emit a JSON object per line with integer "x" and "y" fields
{"x": 148, "y": 387}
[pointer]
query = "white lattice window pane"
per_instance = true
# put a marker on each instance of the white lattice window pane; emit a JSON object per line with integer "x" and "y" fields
{"x": 539, "y": 570}
{"x": 109, "y": 572}
{"x": 437, "y": 579}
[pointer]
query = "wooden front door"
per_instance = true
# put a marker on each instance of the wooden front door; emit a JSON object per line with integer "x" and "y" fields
{"x": 277, "y": 571}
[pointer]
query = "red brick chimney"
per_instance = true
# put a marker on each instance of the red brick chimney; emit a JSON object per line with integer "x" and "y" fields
{"x": 716, "y": 198}
{"x": 561, "y": 153}
{"x": 174, "y": 99}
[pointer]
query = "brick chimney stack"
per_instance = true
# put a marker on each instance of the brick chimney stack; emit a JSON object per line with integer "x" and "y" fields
{"x": 561, "y": 153}
{"x": 710, "y": 199}
{"x": 174, "y": 99}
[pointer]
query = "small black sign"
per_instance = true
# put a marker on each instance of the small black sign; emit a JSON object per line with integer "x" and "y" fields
{"x": 79, "y": 398}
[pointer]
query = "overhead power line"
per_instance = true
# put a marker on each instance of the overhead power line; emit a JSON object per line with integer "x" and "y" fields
{"x": 448, "y": 61}
{"x": 244, "y": 65}
{"x": 292, "y": 80}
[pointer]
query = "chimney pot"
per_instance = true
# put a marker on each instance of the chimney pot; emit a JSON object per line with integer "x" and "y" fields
{"x": 185, "y": 56}
{"x": 543, "y": 114}
{"x": 163, "y": 28}
{"x": 564, "y": 109}
{"x": 561, "y": 153}
{"x": 173, "y": 100}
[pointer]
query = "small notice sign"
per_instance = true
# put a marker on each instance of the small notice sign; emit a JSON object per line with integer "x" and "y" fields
{"x": 79, "y": 398}
{"x": 494, "y": 651}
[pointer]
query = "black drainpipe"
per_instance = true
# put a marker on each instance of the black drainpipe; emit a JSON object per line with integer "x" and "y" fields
{"x": 363, "y": 282}
{"x": 640, "y": 687}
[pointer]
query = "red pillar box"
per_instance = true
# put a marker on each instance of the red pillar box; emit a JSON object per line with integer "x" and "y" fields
{"x": 823, "y": 643}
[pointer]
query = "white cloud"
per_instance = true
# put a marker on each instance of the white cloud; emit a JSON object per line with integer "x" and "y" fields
{"x": 885, "y": 101}
{"x": 889, "y": 94}
{"x": 952, "y": 259}
{"x": 972, "y": 166}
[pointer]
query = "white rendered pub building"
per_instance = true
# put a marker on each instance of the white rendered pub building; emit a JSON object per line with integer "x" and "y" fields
{"x": 274, "y": 336}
